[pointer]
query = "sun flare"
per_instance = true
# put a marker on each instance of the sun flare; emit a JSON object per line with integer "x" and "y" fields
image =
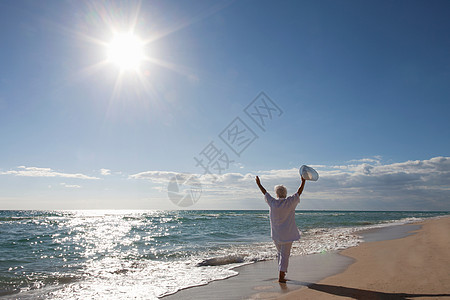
{"x": 126, "y": 50}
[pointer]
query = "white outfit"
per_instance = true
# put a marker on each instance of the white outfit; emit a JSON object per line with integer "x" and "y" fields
{"x": 283, "y": 228}
{"x": 283, "y": 252}
{"x": 282, "y": 218}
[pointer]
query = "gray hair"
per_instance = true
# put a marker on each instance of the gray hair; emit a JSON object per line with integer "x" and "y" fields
{"x": 281, "y": 191}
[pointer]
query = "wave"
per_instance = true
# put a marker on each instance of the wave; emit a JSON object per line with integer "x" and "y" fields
{"x": 8, "y": 219}
{"x": 9, "y": 291}
{"x": 10, "y": 285}
{"x": 315, "y": 240}
{"x": 219, "y": 261}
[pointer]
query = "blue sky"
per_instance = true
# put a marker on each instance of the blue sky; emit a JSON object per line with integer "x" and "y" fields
{"x": 363, "y": 89}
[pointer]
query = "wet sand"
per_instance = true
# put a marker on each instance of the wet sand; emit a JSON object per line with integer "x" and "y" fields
{"x": 260, "y": 280}
{"x": 416, "y": 266}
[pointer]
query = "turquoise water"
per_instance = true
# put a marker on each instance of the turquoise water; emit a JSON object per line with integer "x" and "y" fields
{"x": 148, "y": 254}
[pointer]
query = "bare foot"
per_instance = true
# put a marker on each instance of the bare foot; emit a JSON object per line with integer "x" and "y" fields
{"x": 281, "y": 277}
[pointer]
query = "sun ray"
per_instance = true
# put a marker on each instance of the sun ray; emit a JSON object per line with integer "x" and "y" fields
{"x": 171, "y": 66}
{"x": 135, "y": 17}
{"x": 91, "y": 69}
{"x": 148, "y": 88}
{"x": 114, "y": 94}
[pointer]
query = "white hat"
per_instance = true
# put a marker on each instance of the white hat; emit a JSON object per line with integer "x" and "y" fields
{"x": 308, "y": 173}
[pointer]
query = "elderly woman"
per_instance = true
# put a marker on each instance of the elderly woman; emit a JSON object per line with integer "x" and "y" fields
{"x": 282, "y": 222}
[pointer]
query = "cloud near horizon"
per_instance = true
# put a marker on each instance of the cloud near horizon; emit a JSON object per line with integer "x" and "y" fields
{"x": 43, "y": 172}
{"x": 105, "y": 172}
{"x": 364, "y": 184}
{"x": 155, "y": 176}
{"x": 76, "y": 186}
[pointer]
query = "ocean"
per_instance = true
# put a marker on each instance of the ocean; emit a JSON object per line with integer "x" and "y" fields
{"x": 149, "y": 254}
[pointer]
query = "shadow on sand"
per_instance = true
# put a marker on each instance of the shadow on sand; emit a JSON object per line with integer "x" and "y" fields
{"x": 359, "y": 293}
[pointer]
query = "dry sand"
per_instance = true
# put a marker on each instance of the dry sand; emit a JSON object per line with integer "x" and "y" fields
{"x": 417, "y": 266}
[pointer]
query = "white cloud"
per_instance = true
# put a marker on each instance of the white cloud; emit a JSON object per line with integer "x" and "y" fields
{"x": 76, "y": 186}
{"x": 418, "y": 185}
{"x": 43, "y": 172}
{"x": 105, "y": 172}
{"x": 155, "y": 176}
{"x": 363, "y": 184}
{"x": 375, "y": 159}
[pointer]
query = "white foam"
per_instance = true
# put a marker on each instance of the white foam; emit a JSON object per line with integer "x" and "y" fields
{"x": 112, "y": 279}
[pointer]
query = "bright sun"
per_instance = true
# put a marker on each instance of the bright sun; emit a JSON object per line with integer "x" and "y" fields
{"x": 126, "y": 51}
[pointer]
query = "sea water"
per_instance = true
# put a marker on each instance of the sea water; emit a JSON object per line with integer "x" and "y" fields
{"x": 149, "y": 254}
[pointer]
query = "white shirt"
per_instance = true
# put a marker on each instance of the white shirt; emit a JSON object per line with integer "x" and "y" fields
{"x": 282, "y": 218}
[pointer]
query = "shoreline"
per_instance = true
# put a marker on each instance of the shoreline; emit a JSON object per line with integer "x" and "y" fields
{"x": 259, "y": 280}
{"x": 413, "y": 266}
{"x": 262, "y": 277}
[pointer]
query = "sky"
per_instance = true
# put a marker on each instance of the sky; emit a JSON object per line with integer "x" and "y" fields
{"x": 225, "y": 91}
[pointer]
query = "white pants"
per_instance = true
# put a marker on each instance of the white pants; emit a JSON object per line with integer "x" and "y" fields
{"x": 284, "y": 251}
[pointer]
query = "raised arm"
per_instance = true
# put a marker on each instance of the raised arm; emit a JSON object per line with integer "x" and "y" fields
{"x": 300, "y": 189}
{"x": 263, "y": 190}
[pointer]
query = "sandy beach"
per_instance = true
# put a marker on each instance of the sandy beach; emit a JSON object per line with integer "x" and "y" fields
{"x": 417, "y": 266}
